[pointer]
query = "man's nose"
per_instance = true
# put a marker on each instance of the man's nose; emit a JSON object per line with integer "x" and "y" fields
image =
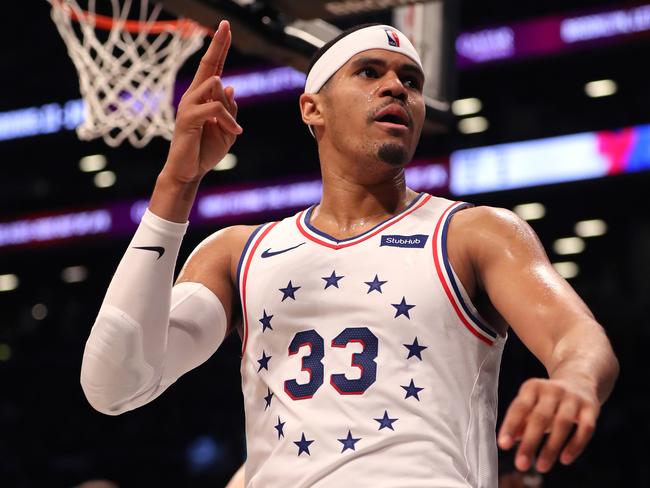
{"x": 392, "y": 86}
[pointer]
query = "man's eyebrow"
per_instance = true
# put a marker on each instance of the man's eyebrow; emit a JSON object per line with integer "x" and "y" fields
{"x": 413, "y": 69}
{"x": 368, "y": 60}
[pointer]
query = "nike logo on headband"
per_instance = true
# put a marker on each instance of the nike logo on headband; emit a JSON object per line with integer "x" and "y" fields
{"x": 158, "y": 249}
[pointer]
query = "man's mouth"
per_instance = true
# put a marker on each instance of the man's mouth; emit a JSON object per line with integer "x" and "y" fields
{"x": 393, "y": 116}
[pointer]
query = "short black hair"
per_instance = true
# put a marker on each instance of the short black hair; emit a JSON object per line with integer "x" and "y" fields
{"x": 323, "y": 49}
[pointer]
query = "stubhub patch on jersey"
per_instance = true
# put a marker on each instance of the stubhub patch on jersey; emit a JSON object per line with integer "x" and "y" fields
{"x": 416, "y": 241}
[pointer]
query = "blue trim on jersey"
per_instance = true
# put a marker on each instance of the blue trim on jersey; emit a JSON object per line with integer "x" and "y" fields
{"x": 243, "y": 253}
{"x": 443, "y": 245}
{"x": 307, "y": 218}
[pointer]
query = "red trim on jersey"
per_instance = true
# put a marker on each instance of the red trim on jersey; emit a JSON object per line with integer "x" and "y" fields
{"x": 366, "y": 237}
{"x": 243, "y": 283}
{"x": 445, "y": 286}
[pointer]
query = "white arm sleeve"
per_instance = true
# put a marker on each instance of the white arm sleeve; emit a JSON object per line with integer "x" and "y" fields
{"x": 147, "y": 334}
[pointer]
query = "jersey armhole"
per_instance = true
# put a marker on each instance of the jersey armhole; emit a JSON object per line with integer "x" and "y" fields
{"x": 243, "y": 255}
{"x": 242, "y": 272}
{"x": 458, "y": 297}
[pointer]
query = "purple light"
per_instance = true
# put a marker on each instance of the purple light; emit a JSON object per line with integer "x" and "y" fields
{"x": 256, "y": 85}
{"x": 137, "y": 210}
{"x": 486, "y": 45}
{"x": 222, "y": 204}
{"x": 431, "y": 177}
{"x": 54, "y": 117}
{"x": 218, "y": 205}
{"x": 259, "y": 200}
{"x": 262, "y": 83}
{"x": 606, "y": 24}
{"x": 56, "y": 227}
{"x": 537, "y": 37}
{"x": 485, "y": 169}
{"x": 550, "y": 35}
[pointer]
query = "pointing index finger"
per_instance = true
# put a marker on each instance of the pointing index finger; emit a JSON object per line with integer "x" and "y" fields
{"x": 215, "y": 57}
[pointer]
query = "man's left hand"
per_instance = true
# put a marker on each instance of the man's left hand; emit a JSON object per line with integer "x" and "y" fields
{"x": 550, "y": 406}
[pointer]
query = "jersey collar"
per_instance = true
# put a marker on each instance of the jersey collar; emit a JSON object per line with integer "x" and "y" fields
{"x": 320, "y": 237}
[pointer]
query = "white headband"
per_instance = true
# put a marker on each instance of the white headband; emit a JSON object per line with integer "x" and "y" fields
{"x": 373, "y": 37}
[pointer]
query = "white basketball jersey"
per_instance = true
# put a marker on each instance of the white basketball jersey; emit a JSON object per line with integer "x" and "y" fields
{"x": 364, "y": 363}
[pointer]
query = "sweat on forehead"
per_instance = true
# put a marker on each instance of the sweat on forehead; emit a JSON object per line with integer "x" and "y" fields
{"x": 339, "y": 53}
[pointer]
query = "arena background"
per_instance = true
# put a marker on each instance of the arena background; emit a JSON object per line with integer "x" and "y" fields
{"x": 61, "y": 235}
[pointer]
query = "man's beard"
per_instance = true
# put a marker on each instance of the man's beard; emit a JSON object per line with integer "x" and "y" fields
{"x": 393, "y": 154}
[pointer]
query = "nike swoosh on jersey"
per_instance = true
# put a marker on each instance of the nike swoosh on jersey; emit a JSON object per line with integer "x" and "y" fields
{"x": 268, "y": 253}
{"x": 158, "y": 249}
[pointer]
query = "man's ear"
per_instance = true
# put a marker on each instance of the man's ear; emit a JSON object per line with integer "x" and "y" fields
{"x": 311, "y": 109}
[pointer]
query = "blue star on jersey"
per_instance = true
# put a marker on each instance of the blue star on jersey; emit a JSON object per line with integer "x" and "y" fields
{"x": 332, "y": 280}
{"x": 386, "y": 421}
{"x": 266, "y": 321}
{"x": 264, "y": 361}
{"x": 268, "y": 398}
{"x": 375, "y": 284}
{"x": 303, "y": 445}
{"x": 402, "y": 308}
{"x": 349, "y": 442}
{"x": 412, "y": 391}
{"x": 289, "y": 291}
{"x": 280, "y": 428}
{"x": 415, "y": 349}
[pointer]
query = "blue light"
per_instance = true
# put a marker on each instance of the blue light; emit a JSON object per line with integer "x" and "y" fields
{"x": 203, "y": 453}
{"x": 47, "y": 119}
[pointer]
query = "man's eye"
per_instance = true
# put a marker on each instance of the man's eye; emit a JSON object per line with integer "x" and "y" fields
{"x": 368, "y": 72}
{"x": 412, "y": 83}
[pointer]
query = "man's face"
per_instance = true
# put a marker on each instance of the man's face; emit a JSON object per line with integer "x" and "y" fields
{"x": 373, "y": 106}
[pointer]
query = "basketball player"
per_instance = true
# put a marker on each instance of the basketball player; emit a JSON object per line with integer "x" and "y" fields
{"x": 365, "y": 360}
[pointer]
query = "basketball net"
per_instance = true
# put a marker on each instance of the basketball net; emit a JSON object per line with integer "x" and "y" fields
{"x": 126, "y": 78}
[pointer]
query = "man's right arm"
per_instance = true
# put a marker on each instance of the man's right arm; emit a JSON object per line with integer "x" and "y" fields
{"x": 147, "y": 335}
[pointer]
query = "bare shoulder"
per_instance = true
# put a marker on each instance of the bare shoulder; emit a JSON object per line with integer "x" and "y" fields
{"x": 482, "y": 237}
{"x": 484, "y": 217}
{"x": 492, "y": 227}
{"x": 217, "y": 255}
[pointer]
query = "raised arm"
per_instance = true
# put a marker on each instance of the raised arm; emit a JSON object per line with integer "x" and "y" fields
{"x": 510, "y": 264}
{"x": 146, "y": 335}
{"x": 205, "y": 130}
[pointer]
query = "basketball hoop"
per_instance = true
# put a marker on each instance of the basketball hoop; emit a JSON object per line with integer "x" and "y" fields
{"x": 127, "y": 77}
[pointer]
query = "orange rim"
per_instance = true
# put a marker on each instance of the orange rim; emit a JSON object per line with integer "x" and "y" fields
{"x": 104, "y": 22}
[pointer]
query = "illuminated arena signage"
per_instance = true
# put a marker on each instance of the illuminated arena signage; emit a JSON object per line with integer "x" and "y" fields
{"x": 469, "y": 171}
{"x": 213, "y": 206}
{"x": 544, "y": 36}
{"x": 35, "y": 121}
{"x": 550, "y": 35}
{"x": 553, "y": 160}
{"x": 606, "y": 24}
{"x": 56, "y": 227}
{"x": 54, "y": 117}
